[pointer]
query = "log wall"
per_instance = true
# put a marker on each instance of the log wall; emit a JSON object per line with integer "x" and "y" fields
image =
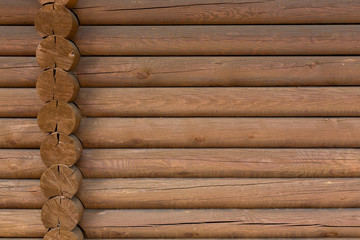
{"x": 200, "y": 119}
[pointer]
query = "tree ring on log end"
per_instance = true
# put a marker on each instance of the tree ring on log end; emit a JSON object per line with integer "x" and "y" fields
{"x": 59, "y": 116}
{"x": 59, "y": 148}
{"x": 61, "y": 180}
{"x": 60, "y": 234}
{"x": 56, "y": 19}
{"x": 67, "y": 3}
{"x": 56, "y": 51}
{"x": 62, "y": 212}
{"x": 57, "y": 84}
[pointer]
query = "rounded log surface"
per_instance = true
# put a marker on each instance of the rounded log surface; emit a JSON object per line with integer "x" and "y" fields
{"x": 61, "y": 180}
{"x": 67, "y": 3}
{"x": 56, "y": 19}
{"x": 59, "y": 148}
{"x": 56, "y": 51}
{"x": 59, "y": 116}
{"x": 60, "y": 234}
{"x": 57, "y": 84}
{"x": 62, "y": 212}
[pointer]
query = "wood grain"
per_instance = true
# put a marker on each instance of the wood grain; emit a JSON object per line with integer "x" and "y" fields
{"x": 58, "y": 148}
{"x": 57, "y": 84}
{"x": 60, "y": 180}
{"x": 221, "y": 223}
{"x": 24, "y": 223}
{"x": 56, "y": 51}
{"x": 62, "y": 212}
{"x": 58, "y": 234}
{"x": 194, "y": 132}
{"x": 194, "y": 71}
{"x": 188, "y": 193}
{"x": 219, "y": 132}
{"x": 187, "y": 102}
{"x": 56, "y": 19}
{"x": 59, "y": 116}
{"x": 197, "y": 40}
{"x": 206, "y": 163}
{"x": 97, "y": 12}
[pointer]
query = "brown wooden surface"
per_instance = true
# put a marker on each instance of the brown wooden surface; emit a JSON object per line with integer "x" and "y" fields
{"x": 127, "y": 102}
{"x": 193, "y": 12}
{"x": 196, "y": 223}
{"x": 194, "y": 132}
{"x": 59, "y": 234}
{"x": 197, "y": 40}
{"x": 193, "y": 71}
{"x": 57, "y": 84}
{"x": 188, "y": 193}
{"x": 62, "y": 212}
{"x": 58, "y": 148}
{"x": 56, "y": 51}
{"x": 60, "y": 180}
{"x": 56, "y": 19}
{"x": 59, "y": 116}
{"x": 138, "y": 163}
{"x": 222, "y": 223}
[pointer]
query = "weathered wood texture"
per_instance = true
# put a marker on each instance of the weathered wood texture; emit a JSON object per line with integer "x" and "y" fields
{"x": 150, "y": 102}
{"x": 197, "y": 40}
{"x": 194, "y": 132}
{"x": 226, "y": 223}
{"x": 193, "y": 71}
{"x": 138, "y": 163}
{"x": 193, "y": 12}
{"x": 159, "y": 193}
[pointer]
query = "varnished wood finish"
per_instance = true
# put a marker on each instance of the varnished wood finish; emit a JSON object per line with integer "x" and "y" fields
{"x": 193, "y": 12}
{"x": 57, "y": 84}
{"x": 197, "y": 40}
{"x": 56, "y": 19}
{"x": 59, "y": 116}
{"x": 62, "y": 212}
{"x": 58, "y": 148}
{"x": 225, "y": 163}
{"x": 188, "y": 193}
{"x": 127, "y": 102}
{"x": 193, "y": 71}
{"x": 56, "y": 51}
{"x": 233, "y": 223}
{"x": 194, "y": 132}
{"x": 59, "y": 234}
{"x": 60, "y": 180}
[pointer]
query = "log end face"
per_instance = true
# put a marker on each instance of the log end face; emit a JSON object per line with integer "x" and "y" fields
{"x": 57, "y": 84}
{"x": 61, "y": 180}
{"x": 59, "y": 148}
{"x": 56, "y": 51}
{"x": 56, "y": 19}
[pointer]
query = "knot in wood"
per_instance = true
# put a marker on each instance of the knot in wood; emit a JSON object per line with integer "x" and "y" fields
{"x": 56, "y": 51}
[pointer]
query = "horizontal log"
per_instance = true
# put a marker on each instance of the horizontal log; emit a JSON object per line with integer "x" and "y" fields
{"x": 160, "y": 193}
{"x": 188, "y": 102}
{"x": 194, "y": 132}
{"x": 197, "y": 40}
{"x": 193, "y": 71}
{"x": 160, "y": 163}
{"x": 95, "y": 12}
{"x": 209, "y": 223}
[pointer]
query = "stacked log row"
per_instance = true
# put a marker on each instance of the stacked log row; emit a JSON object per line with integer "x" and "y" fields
{"x": 59, "y": 118}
